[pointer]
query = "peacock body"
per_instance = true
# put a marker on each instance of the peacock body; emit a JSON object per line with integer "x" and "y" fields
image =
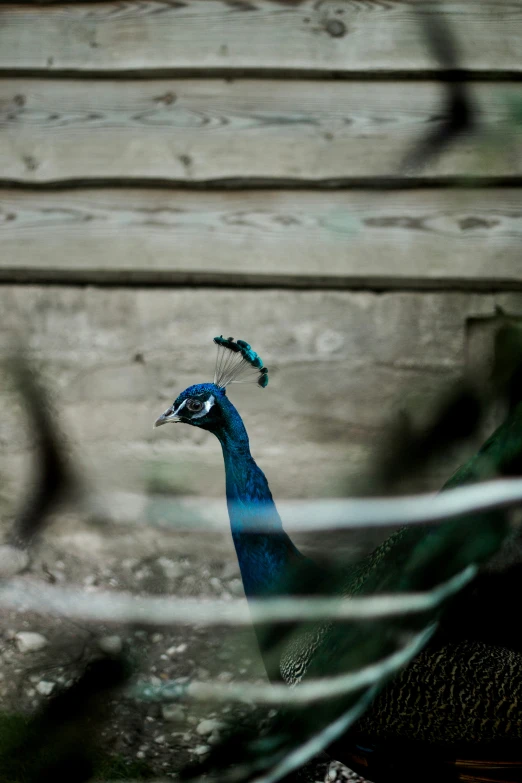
{"x": 459, "y": 695}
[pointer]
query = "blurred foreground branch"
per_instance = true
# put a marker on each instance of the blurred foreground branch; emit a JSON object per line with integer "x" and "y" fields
{"x": 55, "y": 477}
{"x": 459, "y": 115}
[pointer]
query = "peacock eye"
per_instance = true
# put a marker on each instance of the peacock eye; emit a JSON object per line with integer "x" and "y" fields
{"x": 194, "y": 405}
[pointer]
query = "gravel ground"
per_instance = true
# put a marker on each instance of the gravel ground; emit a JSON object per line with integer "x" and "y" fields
{"x": 41, "y": 654}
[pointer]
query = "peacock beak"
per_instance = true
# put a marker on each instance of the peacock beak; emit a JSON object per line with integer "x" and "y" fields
{"x": 165, "y": 418}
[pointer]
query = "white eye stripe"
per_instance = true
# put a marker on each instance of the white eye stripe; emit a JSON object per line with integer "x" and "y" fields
{"x": 206, "y": 407}
{"x": 181, "y": 405}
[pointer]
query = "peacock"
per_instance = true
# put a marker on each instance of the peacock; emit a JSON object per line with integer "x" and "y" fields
{"x": 459, "y": 703}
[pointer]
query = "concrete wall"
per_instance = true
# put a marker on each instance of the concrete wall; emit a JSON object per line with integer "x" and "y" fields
{"x": 342, "y": 366}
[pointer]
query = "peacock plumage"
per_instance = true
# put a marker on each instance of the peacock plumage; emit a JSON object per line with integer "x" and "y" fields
{"x": 459, "y": 703}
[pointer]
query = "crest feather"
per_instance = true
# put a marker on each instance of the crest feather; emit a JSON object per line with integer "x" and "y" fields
{"x": 237, "y": 362}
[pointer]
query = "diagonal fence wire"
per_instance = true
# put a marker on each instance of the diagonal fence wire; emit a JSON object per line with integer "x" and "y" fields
{"x": 308, "y": 692}
{"x": 357, "y": 513}
{"x": 126, "y": 608}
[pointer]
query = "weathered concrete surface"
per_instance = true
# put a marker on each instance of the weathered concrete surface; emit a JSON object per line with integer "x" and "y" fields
{"x": 341, "y": 366}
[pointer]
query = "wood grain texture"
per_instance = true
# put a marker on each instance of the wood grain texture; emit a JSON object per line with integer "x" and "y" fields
{"x": 195, "y": 130}
{"x": 390, "y": 239}
{"x": 341, "y": 35}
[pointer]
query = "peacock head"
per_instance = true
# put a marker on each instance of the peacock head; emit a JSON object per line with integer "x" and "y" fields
{"x": 200, "y": 405}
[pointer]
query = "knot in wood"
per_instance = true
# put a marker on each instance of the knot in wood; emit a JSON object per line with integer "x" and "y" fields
{"x": 335, "y": 28}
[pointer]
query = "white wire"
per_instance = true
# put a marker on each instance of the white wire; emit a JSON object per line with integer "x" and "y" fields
{"x": 23, "y": 595}
{"x": 352, "y": 513}
{"x": 307, "y": 692}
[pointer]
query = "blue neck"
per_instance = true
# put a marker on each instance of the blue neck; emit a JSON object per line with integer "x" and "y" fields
{"x": 264, "y": 557}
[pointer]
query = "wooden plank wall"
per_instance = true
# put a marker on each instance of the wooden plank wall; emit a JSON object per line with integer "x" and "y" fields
{"x": 197, "y": 144}
{"x": 170, "y": 137}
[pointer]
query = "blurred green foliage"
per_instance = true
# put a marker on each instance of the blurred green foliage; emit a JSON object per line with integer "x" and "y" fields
{"x": 21, "y": 767}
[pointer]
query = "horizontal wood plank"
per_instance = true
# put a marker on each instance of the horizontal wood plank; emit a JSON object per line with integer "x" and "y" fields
{"x": 193, "y": 130}
{"x": 340, "y": 35}
{"x": 419, "y": 237}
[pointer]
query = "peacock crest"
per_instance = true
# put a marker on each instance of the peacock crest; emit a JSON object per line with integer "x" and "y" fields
{"x": 237, "y": 362}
